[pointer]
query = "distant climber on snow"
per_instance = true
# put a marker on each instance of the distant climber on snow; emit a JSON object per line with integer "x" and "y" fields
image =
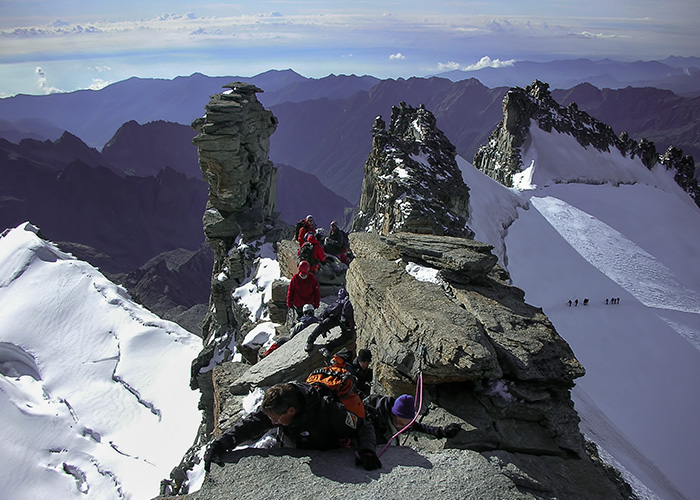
{"x": 341, "y": 314}
{"x": 303, "y": 289}
{"x": 304, "y": 419}
{"x": 389, "y": 416}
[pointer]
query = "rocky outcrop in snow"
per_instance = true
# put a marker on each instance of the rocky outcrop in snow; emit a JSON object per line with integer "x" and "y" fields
{"x": 501, "y": 157}
{"x": 411, "y": 166}
{"x": 441, "y": 307}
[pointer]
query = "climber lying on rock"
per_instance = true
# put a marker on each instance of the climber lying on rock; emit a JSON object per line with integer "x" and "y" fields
{"x": 306, "y": 420}
{"x": 389, "y": 416}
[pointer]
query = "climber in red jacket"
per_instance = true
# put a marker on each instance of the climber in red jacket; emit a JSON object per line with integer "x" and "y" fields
{"x": 303, "y": 289}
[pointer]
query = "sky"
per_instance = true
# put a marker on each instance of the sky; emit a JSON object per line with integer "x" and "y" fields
{"x": 48, "y": 46}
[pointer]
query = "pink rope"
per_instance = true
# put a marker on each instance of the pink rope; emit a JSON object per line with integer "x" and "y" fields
{"x": 419, "y": 397}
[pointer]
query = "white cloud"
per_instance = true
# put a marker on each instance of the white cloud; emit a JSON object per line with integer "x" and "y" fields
{"x": 397, "y": 57}
{"x": 449, "y": 66}
{"x": 487, "y": 62}
{"x": 43, "y": 85}
{"x": 588, "y": 34}
{"x": 98, "y": 83}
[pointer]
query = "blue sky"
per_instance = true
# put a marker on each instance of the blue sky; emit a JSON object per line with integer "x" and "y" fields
{"x": 63, "y": 45}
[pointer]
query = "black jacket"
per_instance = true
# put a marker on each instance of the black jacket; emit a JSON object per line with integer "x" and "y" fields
{"x": 364, "y": 378}
{"x": 378, "y": 410}
{"x": 321, "y": 424}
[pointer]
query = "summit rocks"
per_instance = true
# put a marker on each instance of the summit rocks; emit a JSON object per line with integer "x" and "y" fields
{"x": 431, "y": 304}
{"x": 412, "y": 167}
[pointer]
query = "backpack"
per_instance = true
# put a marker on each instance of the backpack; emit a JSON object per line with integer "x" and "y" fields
{"x": 306, "y": 252}
{"x": 340, "y": 383}
{"x": 298, "y": 227}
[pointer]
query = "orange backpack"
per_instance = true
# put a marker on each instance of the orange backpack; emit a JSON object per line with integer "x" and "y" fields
{"x": 337, "y": 380}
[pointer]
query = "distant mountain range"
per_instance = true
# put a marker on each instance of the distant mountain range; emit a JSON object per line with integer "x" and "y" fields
{"x": 100, "y": 188}
{"x": 678, "y": 74}
{"x": 324, "y": 124}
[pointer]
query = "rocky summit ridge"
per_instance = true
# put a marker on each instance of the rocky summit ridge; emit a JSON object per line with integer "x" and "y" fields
{"x": 430, "y": 303}
{"x": 501, "y": 157}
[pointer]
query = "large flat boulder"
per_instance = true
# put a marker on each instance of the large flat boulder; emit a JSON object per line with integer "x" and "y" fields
{"x": 406, "y": 473}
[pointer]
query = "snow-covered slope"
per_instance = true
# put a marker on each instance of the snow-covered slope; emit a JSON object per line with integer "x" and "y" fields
{"x": 94, "y": 389}
{"x": 590, "y": 224}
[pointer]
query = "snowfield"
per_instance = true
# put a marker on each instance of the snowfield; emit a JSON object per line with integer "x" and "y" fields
{"x": 94, "y": 389}
{"x": 600, "y": 226}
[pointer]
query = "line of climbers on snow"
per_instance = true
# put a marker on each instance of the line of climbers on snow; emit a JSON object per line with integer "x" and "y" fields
{"x": 334, "y": 407}
{"x": 613, "y": 300}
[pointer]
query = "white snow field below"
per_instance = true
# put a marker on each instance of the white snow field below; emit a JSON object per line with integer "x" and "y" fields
{"x": 600, "y": 226}
{"x": 94, "y": 389}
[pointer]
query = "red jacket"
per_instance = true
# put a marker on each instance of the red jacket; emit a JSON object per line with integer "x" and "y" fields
{"x": 301, "y": 237}
{"x": 303, "y": 291}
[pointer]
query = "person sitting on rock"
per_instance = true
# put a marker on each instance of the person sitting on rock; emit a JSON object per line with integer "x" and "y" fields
{"x": 340, "y": 314}
{"x": 305, "y": 419}
{"x": 308, "y": 318}
{"x": 389, "y": 416}
{"x": 337, "y": 243}
{"x": 363, "y": 372}
{"x": 312, "y": 252}
{"x": 303, "y": 289}
{"x": 305, "y": 226}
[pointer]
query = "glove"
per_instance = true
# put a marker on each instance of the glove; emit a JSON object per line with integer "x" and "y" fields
{"x": 216, "y": 450}
{"x": 368, "y": 459}
{"x": 450, "y": 430}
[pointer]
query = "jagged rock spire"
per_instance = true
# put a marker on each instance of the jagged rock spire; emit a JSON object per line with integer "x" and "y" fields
{"x": 412, "y": 182}
{"x": 233, "y": 147}
{"x": 501, "y": 157}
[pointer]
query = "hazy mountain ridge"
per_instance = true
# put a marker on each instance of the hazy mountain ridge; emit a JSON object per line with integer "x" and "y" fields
{"x": 318, "y": 120}
{"x": 681, "y": 75}
{"x": 144, "y": 149}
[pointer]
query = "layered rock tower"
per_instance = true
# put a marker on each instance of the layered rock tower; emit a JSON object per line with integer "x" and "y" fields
{"x": 234, "y": 145}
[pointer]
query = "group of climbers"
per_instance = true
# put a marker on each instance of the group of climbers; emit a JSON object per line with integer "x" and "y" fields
{"x": 307, "y": 416}
{"x": 334, "y": 407}
{"x": 314, "y": 246}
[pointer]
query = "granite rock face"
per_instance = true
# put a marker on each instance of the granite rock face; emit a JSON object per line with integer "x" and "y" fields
{"x": 488, "y": 358}
{"x": 411, "y": 166}
{"x": 406, "y": 473}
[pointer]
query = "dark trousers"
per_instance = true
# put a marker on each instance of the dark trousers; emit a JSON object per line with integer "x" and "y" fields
{"x": 346, "y": 334}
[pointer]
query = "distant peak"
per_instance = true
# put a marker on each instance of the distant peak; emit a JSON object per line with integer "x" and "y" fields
{"x": 412, "y": 182}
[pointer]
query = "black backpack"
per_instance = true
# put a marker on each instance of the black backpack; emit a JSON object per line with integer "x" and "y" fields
{"x": 306, "y": 252}
{"x": 298, "y": 227}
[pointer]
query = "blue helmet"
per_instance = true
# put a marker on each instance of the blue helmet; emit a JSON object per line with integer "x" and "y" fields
{"x": 342, "y": 294}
